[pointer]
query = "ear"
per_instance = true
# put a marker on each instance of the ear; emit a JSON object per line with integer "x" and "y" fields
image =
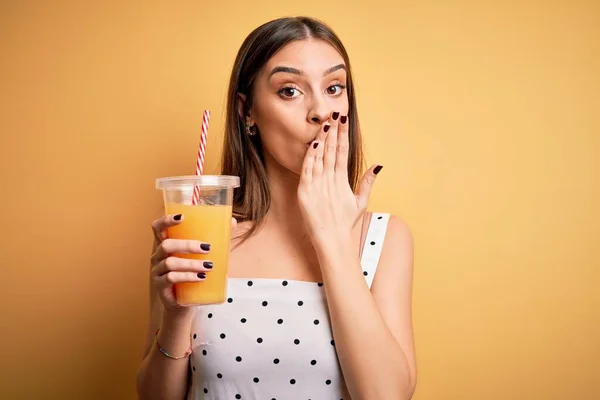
{"x": 241, "y": 106}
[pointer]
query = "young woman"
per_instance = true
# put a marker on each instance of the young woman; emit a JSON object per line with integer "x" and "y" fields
{"x": 320, "y": 290}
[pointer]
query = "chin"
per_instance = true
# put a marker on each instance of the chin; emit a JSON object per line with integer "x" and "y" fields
{"x": 291, "y": 160}
{"x": 295, "y": 167}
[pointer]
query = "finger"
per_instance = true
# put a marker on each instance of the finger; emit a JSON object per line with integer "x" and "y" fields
{"x": 233, "y": 223}
{"x": 307, "y": 166}
{"x": 343, "y": 146}
{"x": 318, "y": 159}
{"x": 178, "y": 264}
{"x": 331, "y": 144}
{"x": 179, "y": 246}
{"x": 322, "y": 135}
{"x": 159, "y": 226}
{"x": 173, "y": 277}
{"x": 366, "y": 185}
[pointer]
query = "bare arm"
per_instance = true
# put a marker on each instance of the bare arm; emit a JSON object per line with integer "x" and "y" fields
{"x": 373, "y": 329}
{"x": 159, "y": 376}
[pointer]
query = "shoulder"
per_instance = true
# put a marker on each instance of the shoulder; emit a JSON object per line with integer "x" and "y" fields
{"x": 397, "y": 231}
{"x": 396, "y": 259}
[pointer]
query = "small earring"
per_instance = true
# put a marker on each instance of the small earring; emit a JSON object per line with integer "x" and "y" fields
{"x": 250, "y": 130}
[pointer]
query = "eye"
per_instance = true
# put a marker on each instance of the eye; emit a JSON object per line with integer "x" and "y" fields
{"x": 336, "y": 90}
{"x": 289, "y": 92}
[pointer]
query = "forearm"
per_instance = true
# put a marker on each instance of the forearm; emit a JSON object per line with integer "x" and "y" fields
{"x": 159, "y": 376}
{"x": 372, "y": 361}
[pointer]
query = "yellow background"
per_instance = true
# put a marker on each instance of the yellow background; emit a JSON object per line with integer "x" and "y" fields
{"x": 484, "y": 114}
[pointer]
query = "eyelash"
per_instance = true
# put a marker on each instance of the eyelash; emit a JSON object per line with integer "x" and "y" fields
{"x": 283, "y": 89}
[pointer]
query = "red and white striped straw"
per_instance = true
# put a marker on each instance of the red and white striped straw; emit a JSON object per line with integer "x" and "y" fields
{"x": 201, "y": 154}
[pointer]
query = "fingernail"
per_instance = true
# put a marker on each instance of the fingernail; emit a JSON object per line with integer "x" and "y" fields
{"x": 205, "y": 246}
{"x": 377, "y": 169}
{"x": 208, "y": 264}
{"x": 326, "y": 128}
{"x": 177, "y": 217}
{"x": 335, "y": 116}
{"x": 344, "y": 119}
{"x": 201, "y": 275}
{"x": 315, "y": 145}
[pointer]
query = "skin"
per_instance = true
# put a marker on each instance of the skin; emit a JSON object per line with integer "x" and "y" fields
{"x": 314, "y": 221}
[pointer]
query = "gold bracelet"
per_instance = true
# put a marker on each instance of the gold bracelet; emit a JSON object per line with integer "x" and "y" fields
{"x": 187, "y": 353}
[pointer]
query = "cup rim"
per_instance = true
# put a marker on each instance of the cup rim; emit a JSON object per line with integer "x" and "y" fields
{"x": 213, "y": 181}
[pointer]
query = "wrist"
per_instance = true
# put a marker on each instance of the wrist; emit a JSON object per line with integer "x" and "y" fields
{"x": 173, "y": 338}
{"x": 333, "y": 246}
{"x": 178, "y": 317}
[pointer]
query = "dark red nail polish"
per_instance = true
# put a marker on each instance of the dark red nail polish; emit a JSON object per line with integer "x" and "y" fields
{"x": 177, "y": 217}
{"x": 377, "y": 169}
{"x": 326, "y": 128}
{"x": 315, "y": 145}
{"x": 205, "y": 246}
{"x": 344, "y": 119}
{"x": 208, "y": 264}
{"x": 335, "y": 116}
{"x": 201, "y": 275}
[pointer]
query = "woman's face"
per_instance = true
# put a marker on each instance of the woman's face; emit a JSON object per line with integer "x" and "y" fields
{"x": 295, "y": 93}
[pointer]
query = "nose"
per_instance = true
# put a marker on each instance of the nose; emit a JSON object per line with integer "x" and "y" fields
{"x": 318, "y": 112}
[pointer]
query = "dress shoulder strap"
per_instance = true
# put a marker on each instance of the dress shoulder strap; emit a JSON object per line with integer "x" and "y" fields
{"x": 373, "y": 245}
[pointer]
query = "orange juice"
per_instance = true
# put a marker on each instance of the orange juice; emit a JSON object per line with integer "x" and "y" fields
{"x": 209, "y": 224}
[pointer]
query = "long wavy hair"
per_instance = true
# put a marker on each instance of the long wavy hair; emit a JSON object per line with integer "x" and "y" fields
{"x": 242, "y": 153}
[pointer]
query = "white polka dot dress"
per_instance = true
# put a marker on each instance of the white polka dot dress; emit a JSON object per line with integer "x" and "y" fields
{"x": 272, "y": 338}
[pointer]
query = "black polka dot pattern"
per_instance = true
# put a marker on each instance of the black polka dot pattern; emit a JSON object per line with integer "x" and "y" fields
{"x": 271, "y": 338}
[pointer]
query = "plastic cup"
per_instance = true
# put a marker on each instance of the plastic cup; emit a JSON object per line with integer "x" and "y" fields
{"x": 209, "y": 221}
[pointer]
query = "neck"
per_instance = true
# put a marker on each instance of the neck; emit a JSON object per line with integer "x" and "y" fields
{"x": 284, "y": 208}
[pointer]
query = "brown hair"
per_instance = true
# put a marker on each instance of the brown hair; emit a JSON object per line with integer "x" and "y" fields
{"x": 242, "y": 153}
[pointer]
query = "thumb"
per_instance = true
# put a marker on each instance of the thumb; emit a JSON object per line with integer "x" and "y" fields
{"x": 366, "y": 184}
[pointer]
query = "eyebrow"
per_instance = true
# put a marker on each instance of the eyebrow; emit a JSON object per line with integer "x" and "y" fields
{"x": 295, "y": 71}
